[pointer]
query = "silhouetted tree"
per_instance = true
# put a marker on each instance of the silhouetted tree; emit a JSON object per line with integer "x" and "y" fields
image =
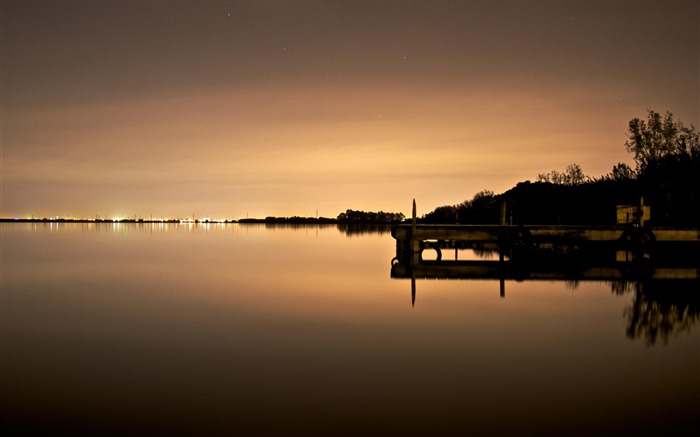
{"x": 654, "y": 139}
{"x": 352, "y": 216}
{"x": 572, "y": 176}
{"x": 442, "y": 214}
{"x": 667, "y": 155}
{"x": 483, "y": 208}
{"x": 483, "y": 197}
{"x": 621, "y": 172}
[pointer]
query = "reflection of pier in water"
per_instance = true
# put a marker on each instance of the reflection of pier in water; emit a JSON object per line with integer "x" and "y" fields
{"x": 661, "y": 266}
{"x": 586, "y": 265}
{"x": 602, "y": 265}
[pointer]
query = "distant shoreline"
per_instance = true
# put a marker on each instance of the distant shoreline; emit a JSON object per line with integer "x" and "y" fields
{"x": 267, "y": 220}
{"x": 84, "y": 220}
{"x": 349, "y": 217}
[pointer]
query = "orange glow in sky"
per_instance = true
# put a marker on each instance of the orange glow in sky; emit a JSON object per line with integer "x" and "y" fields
{"x": 228, "y": 109}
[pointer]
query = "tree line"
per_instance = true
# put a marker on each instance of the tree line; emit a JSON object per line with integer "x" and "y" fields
{"x": 350, "y": 216}
{"x": 666, "y": 174}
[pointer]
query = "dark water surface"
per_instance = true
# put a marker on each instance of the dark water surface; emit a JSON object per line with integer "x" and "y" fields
{"x": 243, "y": 329}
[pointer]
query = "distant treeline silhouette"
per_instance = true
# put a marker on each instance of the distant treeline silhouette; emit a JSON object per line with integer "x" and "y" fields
{"x": 295, "y": 220}
{"x": 667, "y": 177}
{"x": 357, "y": 217}
{"x": 349, "y": 217}
{"x": 358, "y": 220}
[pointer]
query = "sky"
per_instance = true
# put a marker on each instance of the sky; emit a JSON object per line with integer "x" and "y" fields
{"x": 230, "y": 109}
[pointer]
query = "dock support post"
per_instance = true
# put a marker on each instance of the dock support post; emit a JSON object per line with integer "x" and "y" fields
{"x": 413, "y": 222}
{"x": 415, "y": 254}
{"x": 503, "y": 212}
{"x": 415, "y": 245}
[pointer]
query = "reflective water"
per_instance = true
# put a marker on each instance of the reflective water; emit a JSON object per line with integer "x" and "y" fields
{"x": 201, "y": 329}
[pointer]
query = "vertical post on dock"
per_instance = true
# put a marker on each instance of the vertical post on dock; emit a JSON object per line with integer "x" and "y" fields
{"x": 503, "y": 212}
{"x": 644, "y": 212}
{"x": 413, "y": 222}
{"x": 415, "y": 245}
{"x": 502, "y": 282}
{"x": 414, "y": 255}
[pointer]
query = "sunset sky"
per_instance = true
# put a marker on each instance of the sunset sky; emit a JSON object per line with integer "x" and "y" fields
{"x": 231, "y": 109}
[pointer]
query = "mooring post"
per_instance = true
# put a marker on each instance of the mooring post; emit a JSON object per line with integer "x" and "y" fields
{"x": 503, "y": 212}
{"x": 644, "y": 212}
{"x": 413, "y": 225}
{"x": 415, "y": 245}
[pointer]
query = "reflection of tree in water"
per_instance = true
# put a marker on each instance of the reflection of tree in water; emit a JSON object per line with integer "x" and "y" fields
{"x": 572, "y": 285}
{"x": 354, "y": 229}
{"x": 660, "y": 309}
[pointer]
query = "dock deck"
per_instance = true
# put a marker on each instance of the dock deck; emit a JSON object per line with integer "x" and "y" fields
{"x": 412, "y": 240}
{"x": 617, "y": 254}
{"x": 547, "y": 252}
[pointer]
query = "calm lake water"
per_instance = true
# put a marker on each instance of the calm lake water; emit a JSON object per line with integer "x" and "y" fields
{"x": 225, "y": 329}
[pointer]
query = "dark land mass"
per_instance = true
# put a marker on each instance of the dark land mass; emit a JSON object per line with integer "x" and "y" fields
{"x": 666, "y": 178}
{"x": 673, "y": 202}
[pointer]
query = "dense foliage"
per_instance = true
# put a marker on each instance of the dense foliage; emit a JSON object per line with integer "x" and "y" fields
{"x": 351, "y": 216}
{"x": 667, "y": 176}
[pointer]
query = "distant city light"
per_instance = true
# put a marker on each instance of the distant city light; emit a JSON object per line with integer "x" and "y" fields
{"x": 116, "y": 220}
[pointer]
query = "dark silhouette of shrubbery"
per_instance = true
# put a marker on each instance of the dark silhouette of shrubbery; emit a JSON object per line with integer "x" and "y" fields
{"x": 349, "y": 217}
{"x": 667, "y": 177}
{"x": 357, "y": 217}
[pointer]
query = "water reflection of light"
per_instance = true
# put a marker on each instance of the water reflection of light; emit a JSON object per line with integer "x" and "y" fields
{"x": 329, "y": 309}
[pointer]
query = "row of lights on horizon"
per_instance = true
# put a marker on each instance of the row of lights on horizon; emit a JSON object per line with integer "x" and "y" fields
{"x": 97, "y": 218}
{"x": 124, "y": 219}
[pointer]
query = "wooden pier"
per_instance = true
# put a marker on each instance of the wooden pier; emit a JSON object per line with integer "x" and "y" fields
{"x": 628, "y": 253}
{"x": 412, "y": 239}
